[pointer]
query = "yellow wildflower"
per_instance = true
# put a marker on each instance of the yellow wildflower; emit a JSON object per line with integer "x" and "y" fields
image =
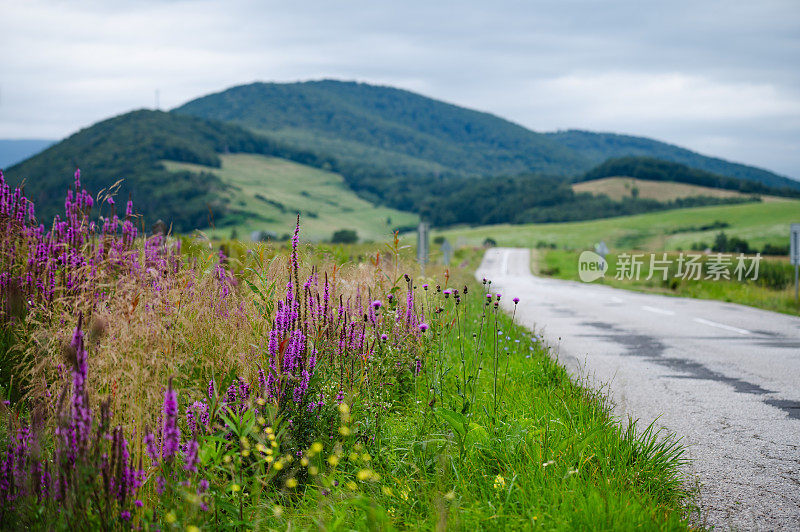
{"x": 499, "y": 482}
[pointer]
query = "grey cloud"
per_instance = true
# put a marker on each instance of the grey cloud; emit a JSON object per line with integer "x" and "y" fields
{"x": 716, "y": 76}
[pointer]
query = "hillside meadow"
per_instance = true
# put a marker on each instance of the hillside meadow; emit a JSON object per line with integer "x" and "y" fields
{"x": 621, "y": 187}
{"x": 159, "y": 383}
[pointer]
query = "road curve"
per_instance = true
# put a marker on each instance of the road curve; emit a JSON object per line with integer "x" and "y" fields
{"x": 723, "y": 377}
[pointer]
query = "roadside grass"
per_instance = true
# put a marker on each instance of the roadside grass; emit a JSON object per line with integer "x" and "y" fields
{"x": 758, "y": 223}
{"x": 775, "y": 292}
{"x": 270, "y": 192}
{"x": 550, "y": 458}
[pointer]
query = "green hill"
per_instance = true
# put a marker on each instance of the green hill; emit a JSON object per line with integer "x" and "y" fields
{"x": 401, "y": 131}
{"x": 378, "y": 135}
{"x": 131, "y": 147}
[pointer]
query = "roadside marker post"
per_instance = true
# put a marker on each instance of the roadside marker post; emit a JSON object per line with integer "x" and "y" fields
{"x": 794, "y": 255}
{"x": 422, "y": 246}
{"x": 447, "y": 252}
{"x": 602, "y": 250}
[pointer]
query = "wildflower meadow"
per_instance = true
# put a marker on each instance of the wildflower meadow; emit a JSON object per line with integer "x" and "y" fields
{"x": 153, "y": 381}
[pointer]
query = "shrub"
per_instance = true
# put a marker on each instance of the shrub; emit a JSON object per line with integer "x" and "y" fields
{"x": 344, "y": 236}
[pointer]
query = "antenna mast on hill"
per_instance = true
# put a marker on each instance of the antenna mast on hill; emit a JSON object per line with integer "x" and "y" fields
{"x": 157, "y": 105}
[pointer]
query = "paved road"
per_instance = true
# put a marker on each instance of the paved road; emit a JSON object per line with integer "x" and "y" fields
{"x": 724, "y": 377}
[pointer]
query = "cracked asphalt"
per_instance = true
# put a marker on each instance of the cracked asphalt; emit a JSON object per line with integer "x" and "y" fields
{"x": 725, "y": 378}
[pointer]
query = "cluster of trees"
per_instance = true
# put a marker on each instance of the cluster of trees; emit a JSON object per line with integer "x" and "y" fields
{"x": 733, "y": 244}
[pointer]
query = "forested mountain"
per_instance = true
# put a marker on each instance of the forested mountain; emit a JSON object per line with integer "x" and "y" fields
{"x": 131, "y": 147}
{"x": 380, "y": 133}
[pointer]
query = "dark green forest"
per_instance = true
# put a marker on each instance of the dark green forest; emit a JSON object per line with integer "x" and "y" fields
{"x": 535, "y": 199}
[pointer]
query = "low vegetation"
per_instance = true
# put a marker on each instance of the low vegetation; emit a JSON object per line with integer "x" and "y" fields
{"x": 155, "y": 383}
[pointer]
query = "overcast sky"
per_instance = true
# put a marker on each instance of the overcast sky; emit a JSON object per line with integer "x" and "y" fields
{"x": 719, "y": 77}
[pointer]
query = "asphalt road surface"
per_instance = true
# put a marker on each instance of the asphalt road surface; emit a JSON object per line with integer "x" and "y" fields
{"x": 724, "y": 377}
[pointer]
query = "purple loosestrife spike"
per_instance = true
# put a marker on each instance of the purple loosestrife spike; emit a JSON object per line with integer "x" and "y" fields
{"x": 190, "y": 456}
{"x": 151, "y": 447}
{"x": 81, "y": 413}
{"x": 171, "y": 434}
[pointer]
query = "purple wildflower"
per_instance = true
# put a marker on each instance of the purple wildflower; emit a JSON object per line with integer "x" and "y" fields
{"x": 171, "y": 433}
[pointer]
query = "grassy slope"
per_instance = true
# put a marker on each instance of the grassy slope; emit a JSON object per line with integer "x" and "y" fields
{"x": 758, "y": 223}
{"x": 618, "y": 188}
{"x": 325, "y": 202}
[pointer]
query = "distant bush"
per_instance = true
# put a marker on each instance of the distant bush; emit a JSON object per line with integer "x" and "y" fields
{"x": 344, "y": 236}
{"x": 773, "y": 249}
{"x": 489, "y": 243}
{"x": 733, "y": 244}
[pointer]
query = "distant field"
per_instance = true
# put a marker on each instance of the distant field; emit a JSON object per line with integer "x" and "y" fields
{"x": 618, "y": 188}
{"x": 758, "y": 223}
{"x": 271, "y": 191}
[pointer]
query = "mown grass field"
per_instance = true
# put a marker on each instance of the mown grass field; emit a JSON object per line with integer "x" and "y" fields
{"x": 621, "y": 187}
{"x": 271, "y": 191}
{"x": 758, "y": 223}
